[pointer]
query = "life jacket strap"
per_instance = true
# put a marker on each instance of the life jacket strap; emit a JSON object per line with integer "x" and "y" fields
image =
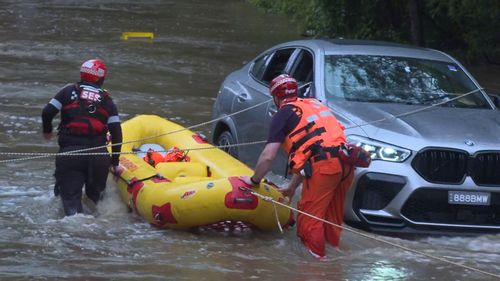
{"x": 316, "y": 132}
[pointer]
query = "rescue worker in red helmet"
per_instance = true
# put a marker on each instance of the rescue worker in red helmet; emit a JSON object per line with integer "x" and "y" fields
{"x": 311, "y": 135}
{"x": 87, "y": 114}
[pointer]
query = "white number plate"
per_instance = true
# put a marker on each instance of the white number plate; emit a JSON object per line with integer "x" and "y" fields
{"x": 469, "y": 198}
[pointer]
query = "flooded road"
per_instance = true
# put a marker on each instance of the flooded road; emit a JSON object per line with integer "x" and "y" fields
{"x": 176, "y": 75}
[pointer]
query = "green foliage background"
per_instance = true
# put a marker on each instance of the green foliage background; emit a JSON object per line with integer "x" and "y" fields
{"x": 467, "y": 29}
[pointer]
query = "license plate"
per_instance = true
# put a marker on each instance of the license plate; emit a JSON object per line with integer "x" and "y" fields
{"x": 469, "y": 198}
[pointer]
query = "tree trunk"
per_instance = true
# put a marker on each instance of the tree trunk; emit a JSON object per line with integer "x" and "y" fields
{"x": 416, "y": 28}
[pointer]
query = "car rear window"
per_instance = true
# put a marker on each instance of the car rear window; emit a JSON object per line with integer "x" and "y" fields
{"x": 368, "y": 78}
{"x": 277, "y": 65}
{"x": 258, "y": 67}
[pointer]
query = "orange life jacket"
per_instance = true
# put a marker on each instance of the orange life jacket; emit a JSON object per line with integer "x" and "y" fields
{"x": 174, "y": 155}
{"x": 318, "y": 132}
{"x": 153, "y": 157}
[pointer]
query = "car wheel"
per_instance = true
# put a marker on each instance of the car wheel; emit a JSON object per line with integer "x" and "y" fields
{"x": 227, "y": 139}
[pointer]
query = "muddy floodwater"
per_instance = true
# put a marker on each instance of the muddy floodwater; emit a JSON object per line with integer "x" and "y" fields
{"x": 176, "y": 75}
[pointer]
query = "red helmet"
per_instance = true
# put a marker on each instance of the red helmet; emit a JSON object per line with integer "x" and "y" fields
{"x": 93, "y": 70}
{"x": 283, "y": 86}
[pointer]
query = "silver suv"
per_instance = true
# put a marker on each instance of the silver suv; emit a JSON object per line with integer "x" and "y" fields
{"x": 433, "y": 133}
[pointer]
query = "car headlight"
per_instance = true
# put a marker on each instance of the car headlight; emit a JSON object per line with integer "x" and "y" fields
{"x": 380, "y": 150}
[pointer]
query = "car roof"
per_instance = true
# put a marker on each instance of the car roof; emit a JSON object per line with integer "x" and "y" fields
{"x": 368, "y": 47}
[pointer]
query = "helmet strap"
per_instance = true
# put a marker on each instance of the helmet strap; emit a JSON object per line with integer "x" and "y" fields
{"x": 289, "y": 99}
{"x": 277, "y": 101}
{"x": 100, "y": 82}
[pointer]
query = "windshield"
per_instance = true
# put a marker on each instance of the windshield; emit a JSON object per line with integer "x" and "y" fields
{"x": 367, "y": 78}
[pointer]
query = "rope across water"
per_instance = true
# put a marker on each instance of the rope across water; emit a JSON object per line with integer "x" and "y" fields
{"x": 265, "y": 198}
{"x": 79, "y": 152}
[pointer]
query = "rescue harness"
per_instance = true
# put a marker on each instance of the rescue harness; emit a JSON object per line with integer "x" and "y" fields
{"x": 85, "y": 115}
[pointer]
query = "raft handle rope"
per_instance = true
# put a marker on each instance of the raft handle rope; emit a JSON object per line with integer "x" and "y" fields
{"x": 275, "y": 213}
{"x": 373, "y": 237}
{"x": 265, "y": 198}
{"x": 134, "y": 181}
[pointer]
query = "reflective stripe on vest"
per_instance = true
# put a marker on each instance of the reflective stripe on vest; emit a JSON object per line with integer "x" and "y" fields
{"x": 317, "y": 128}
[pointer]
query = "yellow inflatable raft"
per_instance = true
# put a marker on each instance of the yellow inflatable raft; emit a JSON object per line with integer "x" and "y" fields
{"x": 203, "y": 192}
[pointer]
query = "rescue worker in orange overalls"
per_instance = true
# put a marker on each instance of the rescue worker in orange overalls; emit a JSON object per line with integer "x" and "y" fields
{"x": 87, "y": 114}
{"x": 312, "y": 137}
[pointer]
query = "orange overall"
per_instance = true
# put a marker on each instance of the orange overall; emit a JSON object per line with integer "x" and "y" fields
{"x": 323, "y": 196}
{"x": 316, "y": 140}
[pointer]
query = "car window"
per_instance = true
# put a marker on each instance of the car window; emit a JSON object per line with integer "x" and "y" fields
{"x": 303, "y": 68}
{"x": 302, "y": 71}
{"x": 399, "y": 80}
{"x": 258, "y": 67}
{"x": 277, "y": 64}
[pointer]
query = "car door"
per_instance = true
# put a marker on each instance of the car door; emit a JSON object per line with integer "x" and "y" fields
{"x": 253, "y": 124}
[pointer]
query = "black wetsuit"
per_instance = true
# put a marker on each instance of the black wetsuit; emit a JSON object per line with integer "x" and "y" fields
{"x": 87, "y": 114}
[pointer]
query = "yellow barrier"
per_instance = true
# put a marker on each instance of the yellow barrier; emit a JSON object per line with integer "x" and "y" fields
{"x": 132, "y": 34}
